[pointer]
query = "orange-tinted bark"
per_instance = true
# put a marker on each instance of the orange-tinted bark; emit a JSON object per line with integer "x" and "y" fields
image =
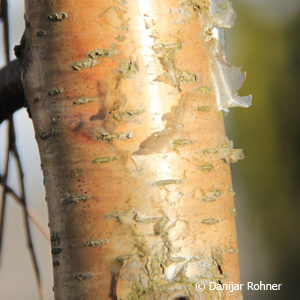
{"x": 133, "y": 149}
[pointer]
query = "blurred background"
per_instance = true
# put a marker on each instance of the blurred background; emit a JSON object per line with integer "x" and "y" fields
{"x": 266, "y": 42}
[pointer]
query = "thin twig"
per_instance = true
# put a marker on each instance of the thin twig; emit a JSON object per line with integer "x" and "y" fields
{"x": 27, "y": 228}
{"x": 35, "y": 219}
{"x": 4, "y": 17}
{"x": 13, "y": 149}
{"x": 31, "y": 214}
{"x": 4, "y": 193}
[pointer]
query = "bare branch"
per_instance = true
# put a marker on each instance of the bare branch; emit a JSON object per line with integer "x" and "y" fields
{"x": 31, "y": 214}
{"x": 12, "y": 149}
{"x": 27, "y": 227}
{"x": 11, "y": 90}
{"x": 4, "y": 17}
{"x": 4, "y": 192}
{"x": 11, "y": 99}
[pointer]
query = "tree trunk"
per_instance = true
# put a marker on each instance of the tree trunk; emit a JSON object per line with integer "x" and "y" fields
{"x": 125, "y": 98}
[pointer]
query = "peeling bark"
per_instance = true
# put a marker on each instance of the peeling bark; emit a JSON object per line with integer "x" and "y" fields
{"x": 139, "y": 193}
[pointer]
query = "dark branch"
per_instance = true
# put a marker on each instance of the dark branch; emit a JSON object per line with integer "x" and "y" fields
{"x": 4, "y": 18}
{"x": 11, "y": 90}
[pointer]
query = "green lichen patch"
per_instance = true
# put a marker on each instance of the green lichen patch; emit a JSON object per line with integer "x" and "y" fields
{"x": 148, "y": 22}
{"x": 110, "y": 137}
{"x": 203, "y": 90}
{"x": 143, "y": 219}
{"x": 208, "y": 151}
{"x": 154, "y": 34}
{"x": 76, "y": 173}
{"x": 197, "y": 5}
{"x": 233, "y": 211}
{"x": 176, "y": 77}
{"x": 219, "y": 277}
{"x": 96, "y": 242}
{"x": 210, "y": 221}
{"x": 227, "y": 152}
{"x": 127, "y": 114}
{"x": 85, "y": 63}
{"x": 186, "y": 76}
{"x": 128, "y": 68}
{"x": 74, "y": 198}
{"x": 55, "y": 91}
{"x": 172, "y": 46}
{"x": 159, "y": 47}
{"x": 82, "y": 276}
{"x": 117, "y": 214}
{"x": 139, "y": 292}
{"x": 216, "y": 193}
{"x": 103, "y": 160}
{"x": 102, "y": 53}
{"x": 211, "y": 196}
{"x": 236, "y": 155}
{"x": 120, "y": 38}
{"x": 167, "y": 182}
{"x": 48, "y": 134}
{"x": 203, "y": 108}
{"x": 123, "y": 27}
{"x": 208, "y": 199}
{"x": 181, "y": 142}
{"x": 159, "y": 288}
{"x": 206, "y": 167}
{"x": 83, "y": 101}
{"x": 57, "y": 17}
{"x": 230, "y": 250}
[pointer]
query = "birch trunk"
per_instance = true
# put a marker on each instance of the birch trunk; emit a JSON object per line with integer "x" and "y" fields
{"x": 125, "y": 98}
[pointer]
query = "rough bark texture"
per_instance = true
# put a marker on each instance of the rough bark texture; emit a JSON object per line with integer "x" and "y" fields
{"x": 133, "y": 148}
